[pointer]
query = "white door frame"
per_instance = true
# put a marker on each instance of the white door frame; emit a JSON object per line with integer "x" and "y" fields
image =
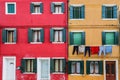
{"x": 4, "y": 66}
{"x": 38, "y": 67}
{"x": 116, "y": 62}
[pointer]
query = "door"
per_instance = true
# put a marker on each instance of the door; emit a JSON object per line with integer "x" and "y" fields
{"x": 110, "y": 70}
{"x": 43, "y": 69}
{"x": 9, "y": 68}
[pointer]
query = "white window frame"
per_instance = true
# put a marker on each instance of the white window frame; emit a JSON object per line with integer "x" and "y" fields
{"x": 33, "y": 64}
{"x": 58, "y": 3}
{"x": 96, "y": 60}
{"x": 110, "y": 5}
{"x": 60, "y": 58}
{"x": 38, "y": 73}
{"x": 40, "y": 35}
{"x": 77, "y": 5}
{"x": 62, "y": 35}
{"x": 10, "y": 29}
{"x": 6, "y": 9}
{"x": 36, "y": 3}
{"x": 75, "y": 61}
{"x": 74, "y": 31}
{"x": 110, "y": 31}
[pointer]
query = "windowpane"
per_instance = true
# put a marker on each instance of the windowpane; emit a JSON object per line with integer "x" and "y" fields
{"x": 36, "y": 8}
{"x": 44, "y": 69}
{"x": 10, "y": 36}
{"x": 29, "y": 65}
{"x": 77, "y": 38}
{"x": 78, "y": 67}
{"x": 36, "y": 35}
{"x": 76, "y": 12}
{"x": 58, "y": 35}
{"x": 110, "y": 38}
{"x": 73, "y": 67}
{"x": 58, "y": 8}
{"x": 56, "y": 65}
{"x": 92, "y": 67}
{"x": 109, "y": 12}
{"x": 11, "y": 8}
{"x": 96, "y": 67}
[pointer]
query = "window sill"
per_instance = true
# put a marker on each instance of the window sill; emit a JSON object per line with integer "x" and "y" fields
{"x": 58, "y": 73}
{"x": 36, "y": 13}
{"x": 10, "y": 43}
{"x": 77, "y": 74}
{"x": 10, "y": 13}
{"x": 110, "y": 19}
{"x": 57, "y": 13}
{"x": 77, "y": 19}
{"x": 28, "y": 73}
{"x": 57, "y": 42}
{"x": 94, "y": 74}
{"x": 111, "y": 45}
{"x": 35, "y": 42}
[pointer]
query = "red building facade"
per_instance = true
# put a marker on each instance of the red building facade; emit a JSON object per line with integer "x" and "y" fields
{"x": 33, "y": 39}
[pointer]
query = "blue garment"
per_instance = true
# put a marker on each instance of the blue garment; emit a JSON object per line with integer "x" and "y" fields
{"x": 102, "y": 49}
{"x": 87, "y": 48}
{"x": 108, "y": 49}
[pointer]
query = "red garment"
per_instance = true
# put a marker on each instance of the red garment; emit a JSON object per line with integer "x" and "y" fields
{"x": 94, "y": 49}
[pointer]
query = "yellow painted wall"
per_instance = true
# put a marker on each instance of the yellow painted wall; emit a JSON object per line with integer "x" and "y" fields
{"x": 93, "y": 25}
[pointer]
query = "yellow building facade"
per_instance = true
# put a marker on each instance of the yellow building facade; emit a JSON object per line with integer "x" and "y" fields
{"x": 93, "y": 52}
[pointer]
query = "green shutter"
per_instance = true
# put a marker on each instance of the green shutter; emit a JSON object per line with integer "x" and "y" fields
{"x": 35, "y": 65}
{"x": 81, "y": 67}
{"x": 11, "y": 8}
{"x": 83, "y": 12}
{"x": 63, "y": 7}
{"x": 69, "y": 67}
{"x": 88, "y": 67}
{"x": 100, "y": 67}
{"x": 103, "y": 38}
{"x": 71, "y": 12}
{"x": 52, "y": 66}
{"x": 51, "y": 35}
{"x": 116, "y": 38}
{"x": 83, "y": 38}
{"x": 32, "y": 8}
{"x": 103, "y": 12}
{"x": 42, "y": 35}
{"x": 41, "y": 7}
{"x": 4, "y": 36}
{"x": 23, "y": 65}
{"x": 110, "y": 38}
{"x": 64, "y": 35}
{"x": 71, "y": 38}
{"x": 30, "y": 35}
{"x": 15, "y": 35}
{"x": 77, "y": 38}
{"x": 64, "y": 65}
{"x": 52, "y": 8}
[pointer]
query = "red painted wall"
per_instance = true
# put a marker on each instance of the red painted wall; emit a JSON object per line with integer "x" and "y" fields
{"x": 22, "y": 21}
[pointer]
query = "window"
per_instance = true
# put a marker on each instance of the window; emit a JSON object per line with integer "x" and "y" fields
{"x": 10, "y": 8}
{"x": 94, "y": 67}
{"x": 77, "y": 12}
{"x": 35, "y": 35}
{"x": 109, "y": 38}
{"x": 77, "y": 38}
{"x": 58, "y": 65}
{"x": 109, "y": 12}
{"x": 57, "y": 35}
{"x": 28, "y": 65}
{"x": 57, "y": 7}
{"x": 36, "y": 7}
{"x": 9, "y": 35}
{"x": 76, "y": 67}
